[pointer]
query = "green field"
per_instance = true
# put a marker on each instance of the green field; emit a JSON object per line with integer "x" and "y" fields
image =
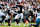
{"x": 16, "y": 26}
{"x": 13, "y": 25}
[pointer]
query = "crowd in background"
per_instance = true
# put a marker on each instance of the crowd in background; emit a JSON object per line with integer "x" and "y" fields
{"x": 28, "y": 4}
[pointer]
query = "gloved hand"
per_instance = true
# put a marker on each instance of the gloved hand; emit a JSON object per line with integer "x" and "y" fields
{"x": 29, "y": 19}
{"x": 10, "y": 21}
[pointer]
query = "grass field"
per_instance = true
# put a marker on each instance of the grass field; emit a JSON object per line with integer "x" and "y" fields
{"x": 13, "y": 25}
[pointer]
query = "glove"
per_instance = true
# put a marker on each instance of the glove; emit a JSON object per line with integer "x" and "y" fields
{"x": 10, "y": 21}
{"x": 29, "y": 19}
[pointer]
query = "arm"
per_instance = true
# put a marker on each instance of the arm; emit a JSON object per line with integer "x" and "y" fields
{"x": 34, "y": 18}
{"x": 11, "y": 16}
{"x": 29, "y": 18}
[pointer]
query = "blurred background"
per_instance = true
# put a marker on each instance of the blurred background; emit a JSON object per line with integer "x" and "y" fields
{"x": 27, "y": 5}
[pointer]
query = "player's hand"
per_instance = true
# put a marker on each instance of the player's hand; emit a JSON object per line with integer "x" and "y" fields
{"x": 10, "y": 21}
{"x": 29, "y": 19}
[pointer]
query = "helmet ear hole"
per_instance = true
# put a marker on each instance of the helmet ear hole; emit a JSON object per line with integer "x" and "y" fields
{"x": 37, "y": 9}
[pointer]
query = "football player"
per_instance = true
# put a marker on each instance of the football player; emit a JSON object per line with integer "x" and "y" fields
{"x": 31, "y": 15}
{"x": 9, "y": 15}
{"x": 2, "y": 17}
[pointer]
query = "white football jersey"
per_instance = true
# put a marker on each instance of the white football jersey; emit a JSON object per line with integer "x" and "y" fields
{"x": 1, "y": 13}
{"x": 38, "y": 16}
{"x": 17, "y": 16}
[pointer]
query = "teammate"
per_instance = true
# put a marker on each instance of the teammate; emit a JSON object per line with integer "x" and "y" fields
{"x": 37, "y": 18}
{"x": 18, "y": 14}
{"x": 9, "y": 15}
{"x": 31, "y": 15}
{"x": 21, "y": 11}
{"x": 2, "y": 17}
{"x": 17, "y": 17}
